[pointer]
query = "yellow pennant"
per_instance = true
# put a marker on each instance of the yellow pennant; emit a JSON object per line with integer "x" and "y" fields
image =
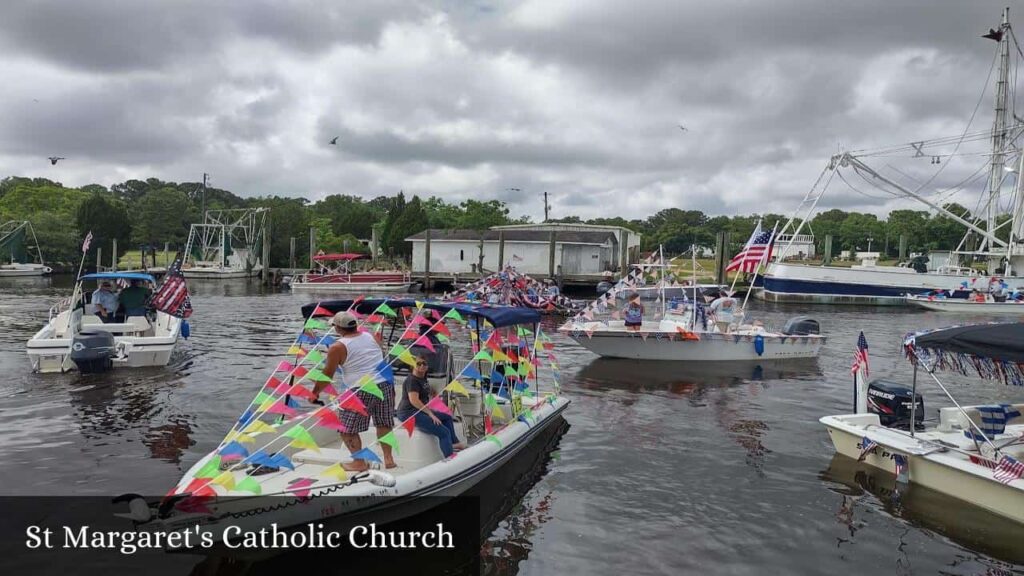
{"x": 497, "y": 413}
{"x": 366, "y": 379}
{"x": 419, "y": 305}
{"x": 258, "y": 426}
{"x": 335, "y": 471}
{"x": 305, "y": 444}
{"x": 225, "y": 479}
{"x": 457, "y": 388}
{"x": 408, "y": 358}
{"x": 500, "y": 356}
{"x": 296, "y": 351}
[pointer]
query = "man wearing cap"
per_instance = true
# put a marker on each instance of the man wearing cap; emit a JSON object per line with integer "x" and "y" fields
{"x": 105, "y": 301}
{"x": 358, "y": 355}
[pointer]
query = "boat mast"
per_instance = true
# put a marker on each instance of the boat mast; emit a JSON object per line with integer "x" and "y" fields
{"x": 999, "y": 133}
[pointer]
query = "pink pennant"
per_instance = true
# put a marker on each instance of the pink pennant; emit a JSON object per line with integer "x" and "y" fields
{"x": 423, "y": 320}
{"x": 330, "y": 390}
{"x": 425, "y": 342}
{"x": 488, "y": 425}
{"x": 300, "y": 486}
{"x": 409, "y": 334}
{"x": 284, "y": 367}
{"x": 280, "y": 408}
{"x": 272, "y": 383}
{"x": 327, "y": 418}
{"x": 301, "y": 392}
{"x": 352, "y": 403}
{"x": 437, "y": 404}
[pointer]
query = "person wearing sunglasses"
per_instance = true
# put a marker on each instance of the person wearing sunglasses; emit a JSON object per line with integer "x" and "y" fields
{"x": 416, "y": 393}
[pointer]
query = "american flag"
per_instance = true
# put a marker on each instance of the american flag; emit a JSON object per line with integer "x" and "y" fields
{"x": 902, "y": 469}
{"x": 753, "y": 252}
{"x": 866, "y": 446}
{"x": 172, "y": 297}
{"x": 88, "y": 240}
{"x": 860, "y": 357}
{"x": 1008, "y": 470}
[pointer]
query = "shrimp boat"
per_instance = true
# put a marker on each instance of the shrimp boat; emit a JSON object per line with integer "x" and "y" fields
{"x": 974, "y": 454}
{"x": 14, "y": 236}
{"x": 335, "y": 274}
{"x": 941, "y": 303}
{"x": 287, "y": 451}
{"x": 75, "y": 338}
{"x": 226, "y": 245}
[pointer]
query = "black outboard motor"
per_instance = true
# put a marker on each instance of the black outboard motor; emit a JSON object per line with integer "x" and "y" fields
{"x": 93, "y": 351}
{"x": 801, "y": 326}
{"x": 891, "y": 402}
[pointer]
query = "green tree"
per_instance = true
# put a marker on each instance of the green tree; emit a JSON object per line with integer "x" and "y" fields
{"x": 477, "y": 215}
{"x": 387, "y": 235}
{"x": 107, "y": 219}
{"x": 162, "y": 216}
{"x": 413, "y": 219}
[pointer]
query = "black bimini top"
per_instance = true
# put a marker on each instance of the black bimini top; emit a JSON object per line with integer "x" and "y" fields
{"x": 498, "y": 316}
{"x": 994, "y": 351}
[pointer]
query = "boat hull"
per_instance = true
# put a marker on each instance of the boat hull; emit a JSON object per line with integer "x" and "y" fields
{"x": 712, "y": 347}
{"x": 17, "y": 271}
{"x": 935, "y": 470}
{"x": 361, "y": 287}
{"x": 49, "y": 354}
{"x": 964, "y": 306}
{"x": 834, "y": 285}
{"x": 218, "y": 273}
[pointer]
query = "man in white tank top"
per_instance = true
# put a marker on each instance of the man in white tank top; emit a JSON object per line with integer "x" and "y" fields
{"x": 358, "y": 354}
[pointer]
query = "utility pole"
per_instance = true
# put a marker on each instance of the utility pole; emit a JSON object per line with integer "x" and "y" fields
{"x": 205, "y": 179}
{"x": 546, "y": 207}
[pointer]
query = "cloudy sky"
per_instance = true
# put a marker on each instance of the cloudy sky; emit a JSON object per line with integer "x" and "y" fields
{"x": 468, "y": 98}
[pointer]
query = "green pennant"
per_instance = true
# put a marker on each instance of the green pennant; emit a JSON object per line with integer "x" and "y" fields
{"x": 211, "y": 469}
{"x": 314, "y": 324}
{"x": 483, "y": 355}
{"x": 299, "y": 433}
{"x": 371, "y": 387}
{"x": 524, "y": 369}
{"x": 386, "y": 310}
{"x": 261, "y": 398}
{"x": 528, "y": 414}
{"x": 390, "y": 440}
{"x": 249, "y": 484}
{"x": 398, "y": 350}
{"x": 493, "y": 438}
{"x": 454, "y": 315}
{"x": 441, "y": 337}
{"x": 314, "y": 358}
{"x": 490, "y": 401}
{"x": 317, "y": 376}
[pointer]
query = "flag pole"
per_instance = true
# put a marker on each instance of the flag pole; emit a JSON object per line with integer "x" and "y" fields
{"x": 764, "y": 258}
{"x": 732, "y": 287}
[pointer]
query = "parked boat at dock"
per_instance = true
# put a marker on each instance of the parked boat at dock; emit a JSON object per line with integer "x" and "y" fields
{"x": 15, "y": 241}
{"x": 335, "y": 274}
{"x": 967, "y": 305}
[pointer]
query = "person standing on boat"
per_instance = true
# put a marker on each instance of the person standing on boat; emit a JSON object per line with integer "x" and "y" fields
{"x": 358, "y": 354}
{"x": 416, "y": 392}
{"x": 105, "y": 301}
{"x": 724, "y": 310}
{"x": 134, "y": 299}
{"x": 633, "y": 313}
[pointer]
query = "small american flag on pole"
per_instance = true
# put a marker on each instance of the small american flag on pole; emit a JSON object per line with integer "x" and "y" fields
{"x": 866, "y": 446}
{"x": 754, "y": 252}
{"x": 88, "y": 240}
{"x": 860, "y": 357}
{"x": 172, "y": 297}
{"x": 1008, "y": 470}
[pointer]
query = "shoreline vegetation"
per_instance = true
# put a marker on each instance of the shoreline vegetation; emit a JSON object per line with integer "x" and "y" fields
{"x": 151, "y": 212}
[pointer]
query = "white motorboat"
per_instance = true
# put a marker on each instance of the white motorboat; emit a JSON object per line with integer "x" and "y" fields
{"x": 291, "y": 455}
{"x": 17, "y": 270}
{"x": 967, "y": 305}
{"x": 974, "y": 454}
{"x": 75, "y": 337}
{"x": 335, "y": 275}
{"x": 996, "y": 150}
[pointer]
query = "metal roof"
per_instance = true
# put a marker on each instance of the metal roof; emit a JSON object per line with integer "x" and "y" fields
{"x": 561, "y": 236}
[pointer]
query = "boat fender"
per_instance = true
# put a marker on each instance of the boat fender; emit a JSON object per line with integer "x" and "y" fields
{"x": 138, "y": 510}
{"x": 759, "y": 344}
{"x": 380, "y": 478}
{"x": 186, "y": 330}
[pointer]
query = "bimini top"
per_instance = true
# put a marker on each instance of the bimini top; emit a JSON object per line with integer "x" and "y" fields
{"x": 498, "y": 316}
{"x": 994, "y": 351}
{"x": 342, "y": 257}
{"x": 119, "y": 275}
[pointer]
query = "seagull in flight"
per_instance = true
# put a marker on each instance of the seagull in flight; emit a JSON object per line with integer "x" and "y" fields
{"x": 334, "y": 141}
{"x": 683, "y": 128}
{"x": 53, "y": 159}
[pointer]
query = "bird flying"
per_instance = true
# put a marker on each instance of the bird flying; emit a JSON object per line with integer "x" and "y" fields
{"x": 334, "y": 141}
{"x": 683, "y": 128}
{"x": 53, "y": 159}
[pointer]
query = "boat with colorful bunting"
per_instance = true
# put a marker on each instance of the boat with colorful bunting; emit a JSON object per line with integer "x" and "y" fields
{"x": 76, "y": 338}
{"x": 944, "y": 303}
{"x": 975, "y": 453}
{"x": 287, "y": 450}
{"x": 334, "y": 274}
{"x": 512, "y": 288}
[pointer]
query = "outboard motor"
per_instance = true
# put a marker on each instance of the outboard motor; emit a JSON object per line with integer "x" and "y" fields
{"x": 93, "y": 351}
{"x": 801, "y": 326}
{"x": 891, "y": 402}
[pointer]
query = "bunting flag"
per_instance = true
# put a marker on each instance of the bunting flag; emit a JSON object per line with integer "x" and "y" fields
{"x": 284, "y": 366}
{"x": 249, "y": 484}
{"x": 301, "y": 438}
{"x": 409, "y": 424}
{"x": 494, "y": 439}
{"x": 352, "y": 403}
{"x": 456, "y": 388}
{"x": 496, "y": 377}
{"x": 483, "y": 355}
{"x": 386, "y": 310}
{"x": 235, "y": 449}
{"x": 441, "y": 330}
{"x": 425, "y": 342}
{"x": 300, "y": 487}
{"x": 453, "y": 314}
{"x": 272, "y": 383}
{"x": 366, "y": 454}
{"x": 314, "y": 324}
{"x": 301, "y": 392}
{"x": 321, "y": 311}
{"x": 391, "y": 440}
{"x": 370, "y": 387}
{"x": 488, "y": 425}
{"x": 330, "y": 390}
{"x": 315, "y": 357}
{"x": 281, "y": 408}
{"x": 438, "y": 405}
{"x": 258, "y": 426}
{"x": 296, "y": 351}
{"x": 385, "y": 371}
{"x": 327, "y": 418}
{"x": 211, "y": 469}
{"x": 336, "y": 471}
{"x": 225, "y": 479}
{"x": 317, "y": 376}
{"x": 261, "y": 458}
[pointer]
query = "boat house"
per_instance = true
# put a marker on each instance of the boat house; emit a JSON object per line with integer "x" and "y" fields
{"x": 571, "y": 253}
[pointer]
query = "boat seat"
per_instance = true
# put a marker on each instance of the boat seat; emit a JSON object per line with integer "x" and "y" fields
{"x": 141, "y": 323}
{"x": 992, "y": 420}
{"x": 90, "y": 319}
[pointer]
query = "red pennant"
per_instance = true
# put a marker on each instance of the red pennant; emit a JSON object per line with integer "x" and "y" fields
{"x": 409, "y": 425}
{"x": 300, "y": 371}
{"x": 375, "y": 319}
{"x": 488, "y": 426}
{"x": 409, "y": 334}
{"x": 321, "y": 311}
{"x": 440, "y": 328}
{"x": 356, "y": 302}
{"x": 273, "y": 383}
{"x": 301, "y": 392}
{"x": 425, "y": 342}
{"x": 352, "y": 403}
{"x": 327, "y": 418}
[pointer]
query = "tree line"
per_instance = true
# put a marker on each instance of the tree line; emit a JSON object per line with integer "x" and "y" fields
{"x": 152, "y": 212}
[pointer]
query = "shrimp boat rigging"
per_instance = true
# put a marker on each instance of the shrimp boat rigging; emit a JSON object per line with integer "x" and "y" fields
{"x": 888, "y": 285}
{"x": 335, "y": 274}
{"x": 974, "y": 454}
{"x": 226, "y": 244}
{"x": 14, "y": 236}
{"x": 290, "y": 454}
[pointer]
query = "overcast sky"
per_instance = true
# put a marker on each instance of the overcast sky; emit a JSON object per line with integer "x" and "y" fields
{"x": 465, "y": 98}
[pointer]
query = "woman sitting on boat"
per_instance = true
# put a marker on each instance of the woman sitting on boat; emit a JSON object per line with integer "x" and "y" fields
{"x": 416, "y": 393}
{"x": 633, "y": 314}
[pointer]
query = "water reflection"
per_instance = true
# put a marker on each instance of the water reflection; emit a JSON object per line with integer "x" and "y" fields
{"x": 969, "y": 526}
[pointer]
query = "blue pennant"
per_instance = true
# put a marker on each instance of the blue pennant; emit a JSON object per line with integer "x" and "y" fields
{"x": 234, "y": 448}
{"x": 328, "y": 341}
{"x": 306, "y": 339}
{"x": 291, "y": 402}
{"x": 261, "y": 458}
{"x": 472, "y": 373}
{"x": 245, "y": 418}
{"x": 385, "y": 370}
{"x": 366, "y": 454}
{"x": 496, "y": 377}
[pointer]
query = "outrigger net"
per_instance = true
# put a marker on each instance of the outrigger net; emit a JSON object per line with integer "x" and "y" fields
{"x": 504, "y": 359}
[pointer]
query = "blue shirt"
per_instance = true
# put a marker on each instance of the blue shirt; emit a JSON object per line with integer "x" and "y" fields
{"x": 106, "y": 299}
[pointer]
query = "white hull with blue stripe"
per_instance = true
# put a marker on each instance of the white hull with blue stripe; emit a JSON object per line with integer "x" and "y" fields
{"x": 877, "y": 285}
{"x": 942, "y": 459}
